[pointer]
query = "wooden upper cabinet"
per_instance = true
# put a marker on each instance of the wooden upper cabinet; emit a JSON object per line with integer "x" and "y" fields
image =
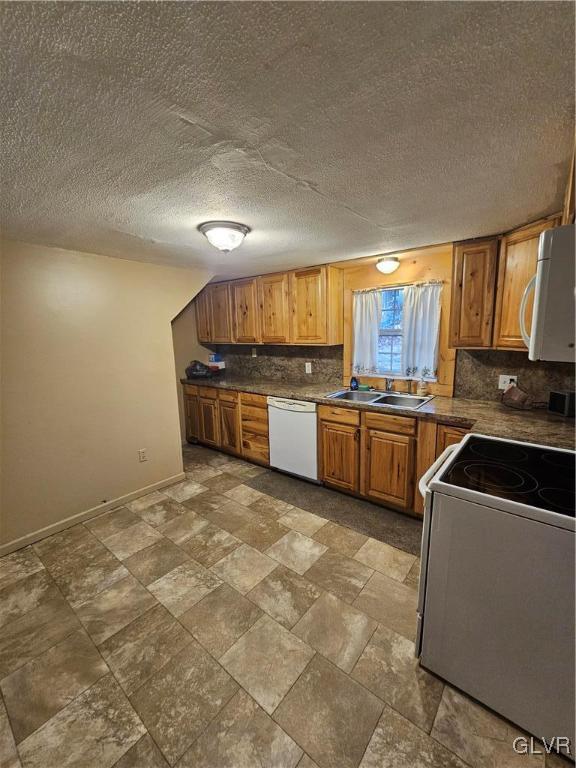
{"x": 220, "y": 313}
{"x": 245, "y": 309}
{"x": 339, "y": 455}
{"x": 388, "y": 467}
{"x": 316, "y": 306}
{"x": 274, "y": 308}
{"x": 203, "y": 315}
{"x": 473, "y": 293}
{"x": 516, "y": 265}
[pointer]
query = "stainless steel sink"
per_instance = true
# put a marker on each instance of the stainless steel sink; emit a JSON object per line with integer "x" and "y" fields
{"x": 401, "y": 401}
{"x": 362, "y": 397}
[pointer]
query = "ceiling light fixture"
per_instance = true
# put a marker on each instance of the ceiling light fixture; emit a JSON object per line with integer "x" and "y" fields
{"x": 388, "y": 264}
{"x": 224, "y": 235}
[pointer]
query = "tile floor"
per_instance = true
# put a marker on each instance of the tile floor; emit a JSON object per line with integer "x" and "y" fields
{"x": 211, "y": 625}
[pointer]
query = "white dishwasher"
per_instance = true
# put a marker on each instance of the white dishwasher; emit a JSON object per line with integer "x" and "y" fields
{"x": 292, "y": 435}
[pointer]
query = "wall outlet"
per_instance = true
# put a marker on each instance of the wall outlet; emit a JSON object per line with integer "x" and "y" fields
{"x": 142, "y": 455}
{"x": 308, "y": 367}
{"x": 504, "y": 380}
{"x": 254, "y": 352}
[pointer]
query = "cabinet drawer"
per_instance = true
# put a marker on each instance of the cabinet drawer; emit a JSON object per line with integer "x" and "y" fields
{"x": 190, "y": 389}
{"x": 210, "y": 393}
{"x": 250, "y": 413}
{"x": 339, "y": 415}
{"x": 258, "y": 400}
{"x": 401, "y": 425}
{"x": 227, "y": 396}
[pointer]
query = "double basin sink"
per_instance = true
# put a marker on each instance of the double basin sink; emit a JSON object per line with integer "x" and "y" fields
{"x": 395, "y": 399}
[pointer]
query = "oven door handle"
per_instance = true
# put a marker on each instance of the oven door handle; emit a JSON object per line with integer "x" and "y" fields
{"x": 427, "y": 476}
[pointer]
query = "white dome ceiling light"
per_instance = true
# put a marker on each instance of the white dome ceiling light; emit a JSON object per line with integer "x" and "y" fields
{"x": 224, "y": 235}
{"x": 388, "y": 264}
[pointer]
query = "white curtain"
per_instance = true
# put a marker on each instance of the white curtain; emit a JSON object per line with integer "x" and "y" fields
{"x": 366, "y": 318}
{"x": 421, "y": 328}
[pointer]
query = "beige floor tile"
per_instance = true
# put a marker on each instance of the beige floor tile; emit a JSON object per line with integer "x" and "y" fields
{"x": 336, "y": 630}
{"x": 413, "y": 577}
{"x": 40, "y": 689}
{"x": 151, "y": 563}
{"x": 202, "y": 473}
{"x": 269, "y": 506}
{"x": 307, "y": 762}
{"x": 388, "y": 560}
{"x": 223, "y": 482}
{"x": 131, "y": 540}
{"x": 284, "y": 595}
{"x": 162, "y": 513}
{"x": 389, "y": 669}
{"x": 69, "y": 549}
{"x": 183, "y": 527}
{"x": 477, "y": 735}
{"x": 340, "y": 575}
{"x": 146, "y": 501}
{"x": 391, "y": 603}
{"x": 244, "y": 568}
{"x": 143, "y": 647}
{"x": 24, "y": 595}
{"x": 261, "y": 533}
{"x": 242, "y": 736}
{"x": 296, "y": 551}
{"x": 231, "y": 516}
{"x": 184, "y": 490}
{"x": 95, "y": 729}
{"x": 144, "y": 754}
{"x": 91, "y": 575}
{"x": 210, "y": 545}
{"x": 18, "y": 565}
{"x": 343, "y": 540}
{"x": 184, "y": 586}
{"x": 34, "y": 632}
{"x": 302, "y": 521}
{"x": 329, "y": 715}
{"x": 8, "y": 752}
{"x": 112, "y": 522}
{"x": 397, "y": 743}
{"x": 220, "y": 618}
{"x": 243, "y": 494}
{"x": 181, "y": 699}
{"x": 207, "y": 501}
{"x": 266, "y": 661}
{"x": 114, "y": 608}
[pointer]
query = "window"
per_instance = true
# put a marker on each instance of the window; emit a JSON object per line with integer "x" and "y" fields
{"x": 390, "y": 332}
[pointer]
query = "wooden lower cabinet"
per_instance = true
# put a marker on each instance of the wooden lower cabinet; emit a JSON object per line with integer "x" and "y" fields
{"x": 387, "y": 461}
{"x": 209, "y": 423}
{"x": 192, "y": 418}
{"x": 447, "y": 435}
{"x": 339, "y": 454}
{"x": 254, "y": 428}
{"x": 229, "y": 425}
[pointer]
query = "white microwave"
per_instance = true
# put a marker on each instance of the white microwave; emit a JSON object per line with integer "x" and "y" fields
{"x": 552, "y": 332}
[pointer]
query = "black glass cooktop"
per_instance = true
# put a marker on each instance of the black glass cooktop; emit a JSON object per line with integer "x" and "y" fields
{"x": 540, "y": 477}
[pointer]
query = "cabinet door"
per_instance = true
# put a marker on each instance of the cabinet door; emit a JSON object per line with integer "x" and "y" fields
{"x": 203, "y": 315}
{"x": 447, "y": 435}
{"x": 309, "y": 306}
{"x": 387, "y": 461}
{"x": 229, "y": 426}
{"x": 220, "y": 313}
{"x": 208, "y": 421}
{"x": 274, "y": 309}
{"x": 516, "y": 265}
{"x": 473, "y": 290}
{"x": 244, "y": 296}
{"x": 339, "y": 455}
{"x": 192, "y": 420}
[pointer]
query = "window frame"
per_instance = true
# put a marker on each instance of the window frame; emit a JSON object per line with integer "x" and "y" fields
{"x": 390, "y": 332}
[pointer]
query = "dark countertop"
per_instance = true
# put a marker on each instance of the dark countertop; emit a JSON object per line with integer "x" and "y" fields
{"x": 480, "y": 416}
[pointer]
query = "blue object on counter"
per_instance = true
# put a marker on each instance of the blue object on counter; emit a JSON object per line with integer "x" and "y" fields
{"x": 353, "y": 383}
{"x": 214, "y": 357}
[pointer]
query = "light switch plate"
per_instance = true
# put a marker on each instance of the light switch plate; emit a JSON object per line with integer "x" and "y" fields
{"x": 308, "y": 367}
{"x": 505, "y": 379}
{"x": 254, "y": 352}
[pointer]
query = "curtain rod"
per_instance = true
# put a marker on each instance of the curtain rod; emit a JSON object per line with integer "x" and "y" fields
{"x": 399, "y": 285}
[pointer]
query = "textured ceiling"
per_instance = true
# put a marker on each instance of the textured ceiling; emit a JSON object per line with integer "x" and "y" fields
{"x": 334, "y": 130}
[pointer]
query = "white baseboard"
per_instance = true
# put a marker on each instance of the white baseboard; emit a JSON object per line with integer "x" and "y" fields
{"x": 68, "y": 522}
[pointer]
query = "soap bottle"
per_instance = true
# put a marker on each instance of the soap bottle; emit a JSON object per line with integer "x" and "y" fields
{"x": 353, "y": 383}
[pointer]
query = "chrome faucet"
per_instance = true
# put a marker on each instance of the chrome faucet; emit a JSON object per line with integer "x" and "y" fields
{"x": 388, "y": 384}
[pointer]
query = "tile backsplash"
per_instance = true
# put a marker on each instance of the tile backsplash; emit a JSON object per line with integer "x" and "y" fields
{"x": 283, "y": 363}
{"x": 477, "y": 374}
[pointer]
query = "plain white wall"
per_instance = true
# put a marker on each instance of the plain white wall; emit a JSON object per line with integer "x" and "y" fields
{"x": 88, "y": 379}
